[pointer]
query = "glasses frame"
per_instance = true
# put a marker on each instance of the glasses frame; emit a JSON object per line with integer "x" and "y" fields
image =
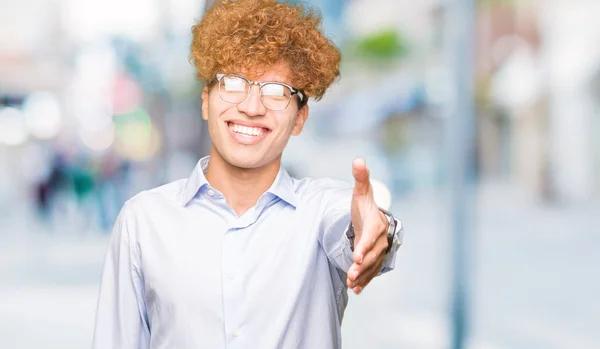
{"x": 260, "y": 84}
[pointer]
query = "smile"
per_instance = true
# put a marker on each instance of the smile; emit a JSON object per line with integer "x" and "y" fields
{"x": 246, "y": 130}
{"x": 247, "y": 134}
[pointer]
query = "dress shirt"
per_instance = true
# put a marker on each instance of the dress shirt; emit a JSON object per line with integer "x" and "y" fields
{"x": 183, "y": 271}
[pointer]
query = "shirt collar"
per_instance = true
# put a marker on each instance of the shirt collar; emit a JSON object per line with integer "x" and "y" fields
{"x": 196, "y": 181}
{"x": 282, "y": 187}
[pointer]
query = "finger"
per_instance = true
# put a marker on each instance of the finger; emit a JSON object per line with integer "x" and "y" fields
{"x": 373, "y": 259}
{"x": 365, "y": 278}
{"x": 354, "y": 280}
{"x": 359, "y": 286}
{"x": 361, "y": 176}
{"x": 352, "y": 275}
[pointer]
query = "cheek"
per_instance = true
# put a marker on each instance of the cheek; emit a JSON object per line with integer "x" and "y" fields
{"x": 215, "y": 112}
{"x": 212, "y": 123}
{"x": 217, "y": 128}
{"x": 286, "y": 123}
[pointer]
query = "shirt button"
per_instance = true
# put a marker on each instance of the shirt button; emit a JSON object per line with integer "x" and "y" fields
{"x": 236, "y": 333}
{"x": 231, "y": 276}
{"x": 211, "y": 192}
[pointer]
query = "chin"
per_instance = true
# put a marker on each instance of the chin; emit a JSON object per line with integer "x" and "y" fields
{"x": 246, "y": 162}
{"x": 246, "y": 157}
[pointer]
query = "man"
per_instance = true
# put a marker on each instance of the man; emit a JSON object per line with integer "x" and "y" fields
{"x": 241, "y": 255}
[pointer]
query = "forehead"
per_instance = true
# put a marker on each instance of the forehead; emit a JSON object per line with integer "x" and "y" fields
{"x": 277, "y": 72}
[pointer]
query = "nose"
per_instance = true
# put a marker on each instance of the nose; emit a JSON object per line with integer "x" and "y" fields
{"x": 252, "y": 105}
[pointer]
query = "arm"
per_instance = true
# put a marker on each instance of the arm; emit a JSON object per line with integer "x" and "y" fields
{"x": 366, "y": 256}
{"x": 334, "y": 225}
{"x": 371, "y": 233}
{"x": 121, "y": 314}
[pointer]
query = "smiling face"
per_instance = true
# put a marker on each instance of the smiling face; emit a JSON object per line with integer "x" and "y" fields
{"x": 248, "y": 135}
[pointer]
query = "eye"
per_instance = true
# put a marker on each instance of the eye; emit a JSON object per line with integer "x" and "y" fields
{"x": 276, "y": 90}
{"x": 235, "y": 84}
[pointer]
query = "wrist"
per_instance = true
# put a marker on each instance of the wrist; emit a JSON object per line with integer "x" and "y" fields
{"x": 390, "y": 230}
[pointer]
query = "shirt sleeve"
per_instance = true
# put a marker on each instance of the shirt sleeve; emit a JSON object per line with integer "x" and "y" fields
{"x": 121, "y": 320}
{"x": 335, "y": 225}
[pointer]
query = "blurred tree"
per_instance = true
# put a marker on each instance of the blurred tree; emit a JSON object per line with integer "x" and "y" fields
{"x": 383, "y": 45}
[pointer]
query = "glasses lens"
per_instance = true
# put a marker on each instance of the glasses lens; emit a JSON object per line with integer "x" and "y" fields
{"x": 275, "y": 96}
{"x": 233, "y": 89}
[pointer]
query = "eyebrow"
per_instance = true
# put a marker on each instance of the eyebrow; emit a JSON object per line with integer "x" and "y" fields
{"x": 255, "y": 80}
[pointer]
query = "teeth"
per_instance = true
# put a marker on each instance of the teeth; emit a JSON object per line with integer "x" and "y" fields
{"x": 250, "y": 131}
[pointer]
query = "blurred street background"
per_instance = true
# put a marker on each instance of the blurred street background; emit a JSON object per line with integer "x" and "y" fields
{"x": 98, "y": 101}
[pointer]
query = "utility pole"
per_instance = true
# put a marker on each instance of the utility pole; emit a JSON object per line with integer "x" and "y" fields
{"x": 461, "y": 149}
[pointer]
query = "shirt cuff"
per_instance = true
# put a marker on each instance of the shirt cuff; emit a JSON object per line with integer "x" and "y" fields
{"x": 346, "y": 255}
{"x": 390, "y": 259}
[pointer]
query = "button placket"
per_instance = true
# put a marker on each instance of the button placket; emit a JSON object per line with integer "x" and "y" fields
{"x": 232, "y": 291}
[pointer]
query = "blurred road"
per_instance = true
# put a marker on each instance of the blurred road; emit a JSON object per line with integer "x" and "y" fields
{"x": 536, "y": 283}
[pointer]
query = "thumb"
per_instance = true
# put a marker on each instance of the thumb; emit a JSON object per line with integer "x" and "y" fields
{"x": 361, "y": 176}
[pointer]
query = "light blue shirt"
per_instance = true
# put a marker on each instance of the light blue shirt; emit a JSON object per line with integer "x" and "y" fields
{"x": 184, "y": 271}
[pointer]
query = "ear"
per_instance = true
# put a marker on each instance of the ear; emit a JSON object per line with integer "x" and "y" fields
{"x": 205, "y": 93}
{"x": 301, "y": 117}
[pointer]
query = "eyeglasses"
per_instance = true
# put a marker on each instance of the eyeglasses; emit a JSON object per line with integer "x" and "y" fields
{"x": 274, "y": 96}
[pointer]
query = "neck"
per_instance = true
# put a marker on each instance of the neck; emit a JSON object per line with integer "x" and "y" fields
{"x": 242, "y": 187}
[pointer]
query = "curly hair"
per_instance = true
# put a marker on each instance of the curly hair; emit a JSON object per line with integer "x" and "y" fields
{"x": 255, "y": 34}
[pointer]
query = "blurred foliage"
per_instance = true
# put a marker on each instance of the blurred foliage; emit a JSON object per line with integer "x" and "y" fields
{"x": 383, "y": 45}
{"x": 133, "y": 127}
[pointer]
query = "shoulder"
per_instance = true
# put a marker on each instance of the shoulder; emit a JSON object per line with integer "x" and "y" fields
{"x": 322, "y": 188}
{"x": 155, "y": 199}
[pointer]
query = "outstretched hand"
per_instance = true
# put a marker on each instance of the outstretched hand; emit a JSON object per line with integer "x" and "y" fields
{"x": 370, "y": 230}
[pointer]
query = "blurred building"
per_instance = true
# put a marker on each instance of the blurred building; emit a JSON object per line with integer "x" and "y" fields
{"x": 537, "y": 90}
